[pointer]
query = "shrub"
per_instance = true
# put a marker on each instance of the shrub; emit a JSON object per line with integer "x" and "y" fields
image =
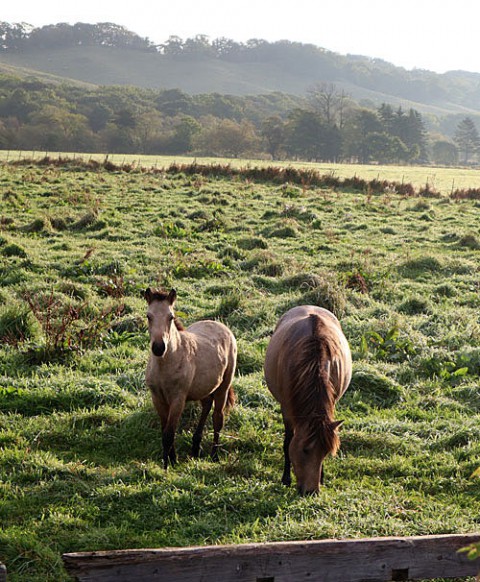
{"x": 170, "y": 230}
{"x": 357, "y": 282}
{"x": 388, "y": 345}
{"x": 67, "y": 327}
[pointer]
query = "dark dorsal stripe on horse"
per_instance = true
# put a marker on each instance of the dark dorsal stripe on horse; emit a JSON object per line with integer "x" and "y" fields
{"x": 308, "y": 367}
{"x": 311, "y": 395}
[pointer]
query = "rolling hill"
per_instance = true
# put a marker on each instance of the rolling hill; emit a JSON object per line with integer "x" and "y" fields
{"x": 285, "y": 67}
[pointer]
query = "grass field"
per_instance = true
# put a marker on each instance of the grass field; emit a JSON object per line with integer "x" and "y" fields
{"x": 80, "y": 446}
{"x": 444, "y": 180}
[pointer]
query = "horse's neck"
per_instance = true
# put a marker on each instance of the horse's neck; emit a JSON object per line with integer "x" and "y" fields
{"x": 179, "y": 345}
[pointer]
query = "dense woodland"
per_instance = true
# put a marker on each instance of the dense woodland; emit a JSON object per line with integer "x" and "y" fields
{"x": 326, "y": 124}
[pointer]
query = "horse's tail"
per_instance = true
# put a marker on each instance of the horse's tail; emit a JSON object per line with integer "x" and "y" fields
{"x": 313, "y": 394}
{"x": 231, "y": 398}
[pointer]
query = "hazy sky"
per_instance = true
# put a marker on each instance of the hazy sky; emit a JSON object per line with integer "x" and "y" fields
{"x": 427, "y": 34}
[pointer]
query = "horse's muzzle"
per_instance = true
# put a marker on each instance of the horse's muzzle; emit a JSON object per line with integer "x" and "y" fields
{"x": 159, "y": 348}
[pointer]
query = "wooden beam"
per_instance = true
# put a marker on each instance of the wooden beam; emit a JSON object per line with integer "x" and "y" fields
{"x": 361, "y": 560}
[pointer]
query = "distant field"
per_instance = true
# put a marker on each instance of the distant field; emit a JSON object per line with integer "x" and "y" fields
{"x": 80, "y": 445}
{"x": 444, "y": 180}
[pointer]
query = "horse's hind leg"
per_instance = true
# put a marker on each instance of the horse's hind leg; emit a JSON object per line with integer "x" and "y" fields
{"x": 218, "y": 419}
{"x": 221, "y": 397}
{"x": 286, "y": 477}
{"x": 197, "y": 436}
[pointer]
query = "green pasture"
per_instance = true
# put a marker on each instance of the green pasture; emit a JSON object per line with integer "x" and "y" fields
{"x": 80, "y": 445}
{"x": 443, "y": 179}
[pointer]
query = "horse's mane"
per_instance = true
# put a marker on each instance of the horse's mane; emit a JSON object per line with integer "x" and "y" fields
{"x": 312, "y": 399}
{"x": 162, "y": 296}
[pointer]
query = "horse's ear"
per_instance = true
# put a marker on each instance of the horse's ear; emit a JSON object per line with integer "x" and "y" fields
{"x": 337, "y": 424}
{"x": 147, "y": 294}
{"x": 172, "y": 296}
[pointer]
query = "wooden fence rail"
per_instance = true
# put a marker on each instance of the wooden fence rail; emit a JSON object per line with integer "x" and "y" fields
{"x": 362, "y": 560}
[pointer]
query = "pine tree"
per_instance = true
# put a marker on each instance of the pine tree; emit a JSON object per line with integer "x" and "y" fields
{"x": 467, "y": 139}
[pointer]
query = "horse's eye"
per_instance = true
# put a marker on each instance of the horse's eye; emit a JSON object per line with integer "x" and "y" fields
{"x": 306, "y": 450}
{"x": 172, "y": 317}
{"x": 149, "y": 317}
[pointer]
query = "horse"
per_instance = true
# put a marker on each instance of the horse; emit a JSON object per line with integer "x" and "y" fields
{"x": 308, "y": 367}
{"x": 197, "y": 363}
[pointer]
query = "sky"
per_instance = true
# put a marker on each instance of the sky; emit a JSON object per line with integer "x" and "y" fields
{"x": 422, "y": 34}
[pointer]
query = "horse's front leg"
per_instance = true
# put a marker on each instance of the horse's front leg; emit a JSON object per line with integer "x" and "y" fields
{"x": 169, "y": 421}
{"x": 197, "y": 436}
{"x": 286, "y": 477}
{"x": 169, "y": 417}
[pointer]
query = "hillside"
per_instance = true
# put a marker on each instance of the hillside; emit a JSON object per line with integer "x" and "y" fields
{"x": 281, "y": 67}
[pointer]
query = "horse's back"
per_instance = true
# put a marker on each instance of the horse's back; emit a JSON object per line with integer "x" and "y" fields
{"x": 212, "y": 332}
{"x": 282, "y": 351}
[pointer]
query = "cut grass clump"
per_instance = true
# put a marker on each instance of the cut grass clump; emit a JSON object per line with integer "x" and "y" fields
{"x": 421, "y": 267}
{"x": 469, "y": 241}
{"x": 374, "y": 388}
{"x": 283, "y": 231}
{"x": 17, "y": 325}
{"x": 327, "y": 292}
{"x": 251, "y": 243}
{"x": 301, "y": 281}
{"x": 250, "y": 357}
{"x": 445, "y": 290}
{"x": 229, "y": 303}
{"x": 415, "y": 306}
{"x": 39, "y": 225}
{"x": 14, "y": 250}
{"x": 264, "y": 263}
{"x": 89, "y": 221}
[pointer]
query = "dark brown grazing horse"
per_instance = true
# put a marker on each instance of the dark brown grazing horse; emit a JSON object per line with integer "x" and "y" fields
{"x": 197, "y": 363}
{"x": 308, "y": 366}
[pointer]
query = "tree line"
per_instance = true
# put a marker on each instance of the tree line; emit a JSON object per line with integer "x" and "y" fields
{"x": 369, "y": 73}
{"x": 326, "y": 125}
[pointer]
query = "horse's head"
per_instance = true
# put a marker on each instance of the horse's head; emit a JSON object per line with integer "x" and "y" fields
{"x": 161, "y": 318}
{"x": 309, "y": 446}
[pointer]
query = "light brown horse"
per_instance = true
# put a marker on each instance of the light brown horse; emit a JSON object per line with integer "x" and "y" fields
{"x": 197, "y": 363}
{"x": 308, "y": 366}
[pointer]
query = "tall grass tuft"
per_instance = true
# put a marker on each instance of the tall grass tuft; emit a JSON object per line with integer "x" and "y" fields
{"x": 17, "y": 325}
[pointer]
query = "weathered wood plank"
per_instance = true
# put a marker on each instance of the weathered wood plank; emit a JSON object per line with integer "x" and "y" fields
{"x": 362, "y": 560}
{"x": 3, "y": 573}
